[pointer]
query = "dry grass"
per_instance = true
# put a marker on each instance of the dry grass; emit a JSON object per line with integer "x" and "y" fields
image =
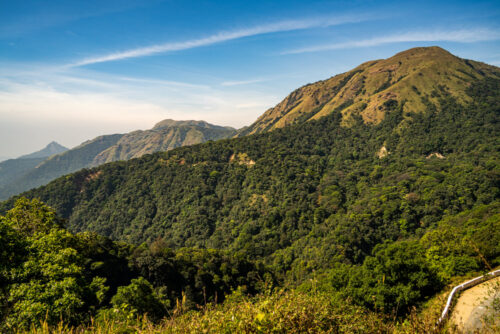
{"x": 279, "y": 312}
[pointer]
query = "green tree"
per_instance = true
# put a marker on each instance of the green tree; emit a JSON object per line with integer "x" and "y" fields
{"x": 395, "y": 278}
{"x": 137, "y": 298}
{"x": 49, "y": 282}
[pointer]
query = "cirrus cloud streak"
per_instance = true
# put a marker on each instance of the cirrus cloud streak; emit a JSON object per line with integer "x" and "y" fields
{"x": 460, "y": 36}
{"x": 223, "y": 36}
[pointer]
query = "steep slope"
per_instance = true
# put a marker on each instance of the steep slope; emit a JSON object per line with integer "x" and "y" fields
{"x": 415, "y": 76}
{"x": 57, "y": 165}
{"x": 12, "y": 169}
{"x": 51, "y": 149}
{"x": 165, "y": 135}
{"x": 303, "y": 197}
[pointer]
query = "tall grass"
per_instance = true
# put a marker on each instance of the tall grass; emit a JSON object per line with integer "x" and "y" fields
{"x": 278, "y": 312}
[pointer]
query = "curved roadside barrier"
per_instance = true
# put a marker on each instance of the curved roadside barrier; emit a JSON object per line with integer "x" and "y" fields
{"x": 465, "y": 286}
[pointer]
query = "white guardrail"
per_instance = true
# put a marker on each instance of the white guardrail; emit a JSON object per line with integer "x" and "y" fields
{"x": 465, "y": 286}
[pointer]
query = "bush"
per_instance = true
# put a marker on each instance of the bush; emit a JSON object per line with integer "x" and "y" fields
{"x": 138, "y": 298}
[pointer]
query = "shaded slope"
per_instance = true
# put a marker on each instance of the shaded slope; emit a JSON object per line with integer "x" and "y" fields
{"x": 414, "y": 77}
{"x": 60, "y": 164}
{"x": 12, "y": 169}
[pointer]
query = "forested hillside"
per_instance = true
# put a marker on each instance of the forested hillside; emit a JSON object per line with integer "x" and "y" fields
{"x": 280, "y": 195}
{"x": 38, "y": 169}
{"x": 382, "y": 214}
{"x": 48, "y": 274}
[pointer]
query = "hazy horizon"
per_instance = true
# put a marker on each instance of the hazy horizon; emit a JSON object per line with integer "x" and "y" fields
{"x": 74, "y": 71}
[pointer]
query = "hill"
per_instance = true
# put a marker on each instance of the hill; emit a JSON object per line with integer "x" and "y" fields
{"x": 413, "y": 77}
{"x": 51, "y": 149}
{"x": 165, "y": 135}
{"x": 265, "y": 194}
{"x": 46, "y": 170}
{"x": 383, "y": 214}
{"x": 33, "y": 172}
{"x": 12, "y": 169}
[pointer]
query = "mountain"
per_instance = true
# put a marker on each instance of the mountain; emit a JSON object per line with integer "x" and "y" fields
{"x": 265, "y": 193}
{"x": 12, "y": 169}
{"x": 32, "y": 172}
{"x": 384, "y": 213}
{"x": 51, "y": 149}
{"x": 44, "y": 170}
{"x": 414, "y": 77}
{"x": 165, "y": 135}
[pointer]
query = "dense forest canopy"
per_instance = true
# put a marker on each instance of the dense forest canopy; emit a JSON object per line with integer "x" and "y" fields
{"x": 384, "y": 215}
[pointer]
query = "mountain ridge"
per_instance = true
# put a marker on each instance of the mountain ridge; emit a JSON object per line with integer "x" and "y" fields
{"x": 52, "y": 148}
{"x": 165, "y": 135}
{"x": 12, "y": 169}
{"x": 411, "y": 76}
{"x": 264, "y": 194}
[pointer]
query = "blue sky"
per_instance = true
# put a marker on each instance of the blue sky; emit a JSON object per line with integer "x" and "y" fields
{"x": 72, "y": 70}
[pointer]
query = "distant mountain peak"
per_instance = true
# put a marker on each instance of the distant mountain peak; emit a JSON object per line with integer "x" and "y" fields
{"x": 52, "y": 148}
{"x": 165, "y": 135}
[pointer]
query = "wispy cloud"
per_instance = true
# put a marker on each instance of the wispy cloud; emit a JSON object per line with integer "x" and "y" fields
{"x": 462, "y": 36}
{"x": 75, "y": 104}
{"x": 224, "y": 36}
{"x": 241, "y": 82}
{"x": 164, "y": 82}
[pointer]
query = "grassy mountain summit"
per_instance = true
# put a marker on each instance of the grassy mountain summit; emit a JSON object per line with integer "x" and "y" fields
{"x": 165, "y": 135}
{"x": 410, "y": 78}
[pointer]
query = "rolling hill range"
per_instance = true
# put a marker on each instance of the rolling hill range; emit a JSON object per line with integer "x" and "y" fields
{"x": 381, "y": 207}
{"x": 35, "y": 170}
{"x": 413, "y": 76}
{"x": 278, "y": 194}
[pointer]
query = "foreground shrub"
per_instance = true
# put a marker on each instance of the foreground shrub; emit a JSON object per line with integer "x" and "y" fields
{"x": 280, "y": 312}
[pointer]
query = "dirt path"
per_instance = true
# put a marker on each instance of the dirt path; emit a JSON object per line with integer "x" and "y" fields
{"x": 473, "y": 304}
